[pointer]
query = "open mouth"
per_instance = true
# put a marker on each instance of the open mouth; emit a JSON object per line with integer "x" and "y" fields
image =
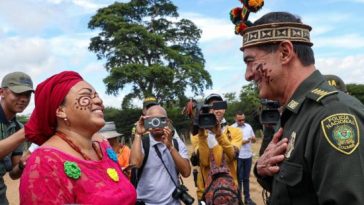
{"x": 98, "y": 111}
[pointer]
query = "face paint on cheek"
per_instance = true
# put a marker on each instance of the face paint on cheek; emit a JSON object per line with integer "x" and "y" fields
{"x": 264, "y": 72}
{"x": 83, "y": 103}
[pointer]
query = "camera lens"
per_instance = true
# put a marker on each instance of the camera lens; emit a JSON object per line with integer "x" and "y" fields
{"x": 155, "y": 122}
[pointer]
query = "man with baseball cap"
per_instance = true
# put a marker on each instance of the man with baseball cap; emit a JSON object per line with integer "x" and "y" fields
{"x": 149, "y": 102}
{"x": 16, "y": 89}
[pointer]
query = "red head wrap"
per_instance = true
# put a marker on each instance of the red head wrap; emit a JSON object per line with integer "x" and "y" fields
{"x": 48, "y": 97}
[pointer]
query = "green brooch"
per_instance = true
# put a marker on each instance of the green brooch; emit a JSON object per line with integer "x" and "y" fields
{"x": 72, "y": 170}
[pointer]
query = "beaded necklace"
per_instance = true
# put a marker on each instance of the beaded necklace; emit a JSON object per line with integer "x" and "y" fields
{"x": 75, "y": 147}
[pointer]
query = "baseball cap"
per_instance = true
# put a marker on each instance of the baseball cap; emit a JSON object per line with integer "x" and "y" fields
{"x": 18, "y": 82}
{"x": 336, "y": 82}
{"x": 108, "y": 131}
{"x": 149, "y": 101}
{"x": 211, "y": 97}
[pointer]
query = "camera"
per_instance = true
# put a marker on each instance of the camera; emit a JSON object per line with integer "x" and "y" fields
{"x": 270, "y": 113}
{"x": 181, "y": 193}
{"x": 205, "y": 119}
{"x": 155, "y": 122}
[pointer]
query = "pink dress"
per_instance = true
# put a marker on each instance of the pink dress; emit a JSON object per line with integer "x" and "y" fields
{"x": 54, "y": 177}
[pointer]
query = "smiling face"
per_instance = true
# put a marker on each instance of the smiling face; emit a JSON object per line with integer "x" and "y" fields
{"x": 14, "y": 102}
{"x": 83, "y": 107}
{"x": 219, "y": 114}
{"x": 265, "y": 70}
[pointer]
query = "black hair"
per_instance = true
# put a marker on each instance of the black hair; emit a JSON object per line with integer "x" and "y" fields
{"x": 239, "y": 113}
{"x": 304, "y": 52}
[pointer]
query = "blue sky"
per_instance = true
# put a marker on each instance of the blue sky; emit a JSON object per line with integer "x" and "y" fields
{"x": 44, "y": 37}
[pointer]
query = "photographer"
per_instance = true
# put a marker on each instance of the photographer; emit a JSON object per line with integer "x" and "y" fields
{"x": 220, "y": 139}
{"x": 161, "y": 162}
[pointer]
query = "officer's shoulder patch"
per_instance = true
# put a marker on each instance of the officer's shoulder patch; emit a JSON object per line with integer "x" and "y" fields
{"x": 342, "y": 132}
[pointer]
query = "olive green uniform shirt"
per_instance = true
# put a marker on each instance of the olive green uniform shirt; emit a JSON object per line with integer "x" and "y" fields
{"x": 324, "y": 161}
{"x": 7, "y": 128}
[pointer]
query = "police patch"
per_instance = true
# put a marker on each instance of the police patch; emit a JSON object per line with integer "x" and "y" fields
{"x": 342, "y": 132}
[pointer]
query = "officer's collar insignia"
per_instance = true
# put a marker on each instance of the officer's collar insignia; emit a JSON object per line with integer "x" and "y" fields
{"x": 295, "y": 104}
{"x": 290, "y": 146}
{"x": 342, "y": 132}
{"x": 292, "y": 104}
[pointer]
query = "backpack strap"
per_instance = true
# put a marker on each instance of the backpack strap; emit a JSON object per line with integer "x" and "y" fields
{"x": 136, "y": 173}
{"x": 146, "y": 145}
{"x": 175, "y": 144}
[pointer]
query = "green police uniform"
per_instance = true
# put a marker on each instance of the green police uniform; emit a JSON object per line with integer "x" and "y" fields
{"x": 324, "y": 161}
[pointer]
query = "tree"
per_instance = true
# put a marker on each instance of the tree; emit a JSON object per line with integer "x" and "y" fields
{"x": 230, "y": 97}
{"x": 146, "y": 46}
{"x": 356, "y": 90}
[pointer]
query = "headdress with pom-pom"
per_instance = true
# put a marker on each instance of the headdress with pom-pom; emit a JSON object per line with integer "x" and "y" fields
{"x": 239, "y": 15}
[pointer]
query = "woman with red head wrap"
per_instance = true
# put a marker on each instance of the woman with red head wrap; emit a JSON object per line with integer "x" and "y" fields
{"x": 71, "y": 166}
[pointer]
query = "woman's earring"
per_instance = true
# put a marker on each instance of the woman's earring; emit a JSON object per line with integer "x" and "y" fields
{"x": 66, "y": 121}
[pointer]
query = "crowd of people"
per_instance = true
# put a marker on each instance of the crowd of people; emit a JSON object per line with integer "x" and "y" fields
{"x": 316, "y": 156}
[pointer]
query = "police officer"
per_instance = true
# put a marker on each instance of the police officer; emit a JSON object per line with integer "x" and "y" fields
{"x": 317, "y": 157}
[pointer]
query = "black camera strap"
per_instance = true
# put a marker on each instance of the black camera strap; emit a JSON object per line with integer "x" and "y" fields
{"x": 160, "y": 157}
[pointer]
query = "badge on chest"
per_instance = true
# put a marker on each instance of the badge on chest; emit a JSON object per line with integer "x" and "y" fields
{"x": 290, "y": 146}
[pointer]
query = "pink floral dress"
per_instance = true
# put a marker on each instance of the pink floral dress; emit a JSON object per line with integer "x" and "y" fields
{"x": 54, "y": 177}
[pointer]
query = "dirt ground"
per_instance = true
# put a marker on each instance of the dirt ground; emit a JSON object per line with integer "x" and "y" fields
{"x": 255, "y": 189}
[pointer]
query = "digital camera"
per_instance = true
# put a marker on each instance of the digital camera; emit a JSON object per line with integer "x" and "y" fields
{"x": 181, "y": 193}
{"x": 155, "y": 122}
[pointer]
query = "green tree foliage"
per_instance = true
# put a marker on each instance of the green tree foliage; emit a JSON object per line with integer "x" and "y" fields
{"x": 356, "y": 90}
{"x": 124, "y": 119}
{"x": 148, "y": 48}
{"x": 248, "y": 103}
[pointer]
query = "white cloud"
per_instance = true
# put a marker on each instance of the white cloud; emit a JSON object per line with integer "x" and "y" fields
{"x": 28, "y": 55}
{"x": 216, "y": 28}
{"x": 349, "y": 41}
{"x": 349, "y": 68}
{"x": 212, "y": 28}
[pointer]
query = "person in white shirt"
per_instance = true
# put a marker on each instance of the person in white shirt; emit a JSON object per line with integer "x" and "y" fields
{"x": 245, "y": 156}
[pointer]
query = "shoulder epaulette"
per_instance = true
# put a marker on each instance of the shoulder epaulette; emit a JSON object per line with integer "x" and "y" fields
{"x": 320, "y": 92}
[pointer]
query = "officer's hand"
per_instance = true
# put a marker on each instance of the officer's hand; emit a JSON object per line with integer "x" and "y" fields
{"x": 139, "y": 129}
{"x": 267, "y": 164}
{"x": 167, "y": 137}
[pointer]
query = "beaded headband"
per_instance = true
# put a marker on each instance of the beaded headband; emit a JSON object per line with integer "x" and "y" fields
{"x": 276, "y": 32}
